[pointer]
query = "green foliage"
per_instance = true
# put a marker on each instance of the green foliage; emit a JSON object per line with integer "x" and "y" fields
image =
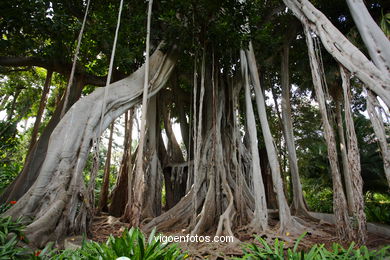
{"x": 19, "y": 95}
{"x": 278, "y": 251}
{"x": 11, "y": 233}
{"x": 318, "y": 198}
{"x": 378, "y": 207}
{"x": 131, "y": 244}
{"x": 376, "y": 212}
{"x": 385, "y": 24}
{"x": 339, "y": 252}
{"x": 217, "y": 24}
{"x": 275, "y": 251}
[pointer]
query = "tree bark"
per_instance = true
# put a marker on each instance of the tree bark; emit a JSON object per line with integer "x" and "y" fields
{"x": 139, "y": 178}
{"x": 119, "y": 194}
{"x": 106, "y": 177}
{"x": 42, "y": 104}
{"x": 174, "y": 152}
{"x": 379, "y": 129}
{"x": 153, "y": 173}
{"x": 298, "y": 203}
{"x": 340, "y": 207}
{"x": 286, "y": 220}
{"x": 341, "y": 48}
{"x": 354, "y": 162}
{"x": 344, "y": 158}
{"x": 129, "y": 117}
{"x": 54, "y": 65}
{"x": 377, "y": 44}
{"x": 60, "y": 183}
{"x": 260, "y": 218}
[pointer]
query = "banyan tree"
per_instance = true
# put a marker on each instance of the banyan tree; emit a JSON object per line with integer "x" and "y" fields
{"x": 205, "y": 72}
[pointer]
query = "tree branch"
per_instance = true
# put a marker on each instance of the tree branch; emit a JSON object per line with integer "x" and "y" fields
{"x": 57, "y": 66}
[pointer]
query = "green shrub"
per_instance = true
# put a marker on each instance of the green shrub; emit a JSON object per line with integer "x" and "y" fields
{"x": 5, "y": 206}
{"x": 12, "y": 239}
{"x": 131, "y": 244}
{"x": 277, "y": 251}
{"x": 11, "y": 233}
{"x": 378, "y": 212}
{"x": 320, "y": 199}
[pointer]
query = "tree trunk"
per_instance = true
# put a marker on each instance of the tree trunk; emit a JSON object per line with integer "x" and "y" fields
{"x": 180, "y": 109}
{"x": 344, "y": 158}
{"x": 340, "y": 206}
{"x": 298, "y": 203}
{"x": 42, "y": 104}
{"x": 354, "y": 162}
{"x": 106, "y": 177}
{"x": 119, "y": 194}
{"x": 219, "y": 197}
{"x": 198, "y": 124}
{"x": 175, "y": 154}
{"x": 260, "y": 218}
{"x": 55, "y": 199}
{"x": 379, "y": 129}
{"x": 286, "y": 220}
{"x": 153, "y": 173}
{"x": 272, "y": 202}
{"x": 4, "y": 100}
{"x": 139, "y": 177}
{"x": 128, "y": 162}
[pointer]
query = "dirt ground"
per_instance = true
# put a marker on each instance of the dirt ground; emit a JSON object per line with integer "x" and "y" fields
{"x": 317, "y": 233}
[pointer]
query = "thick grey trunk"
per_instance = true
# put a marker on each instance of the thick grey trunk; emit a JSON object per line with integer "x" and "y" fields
{"x": 139, "y": 177}
{"x": 377, "y": 44}
{"x": 153, "y": 180}
{"x": 344, "y": 158}
{"x": 198, "y": 178}
{"x": 260, "y": 218}
{"x": 354, "y": 161}
{"x": 299, "y": 205}
{"x": 340, "y": 207}
{"x": 379, "y": 129}
{"x": 286, "y": 220}
{"x": 60, "y": 180}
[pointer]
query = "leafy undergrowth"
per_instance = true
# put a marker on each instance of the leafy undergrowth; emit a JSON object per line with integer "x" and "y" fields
{"x": 134, "y": 245}
{"x": 11, "y": 233}
{"x": 131, "y": 244}
{"x": 278, "y": 251}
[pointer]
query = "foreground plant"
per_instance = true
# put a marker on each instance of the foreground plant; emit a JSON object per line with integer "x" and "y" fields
{"x": 278, "y": 251}
{"x": 11, "y": 232}
{"x": 131, "y": 244}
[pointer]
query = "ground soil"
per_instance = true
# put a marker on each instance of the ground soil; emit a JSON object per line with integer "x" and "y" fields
{"x": 317, "y": 233}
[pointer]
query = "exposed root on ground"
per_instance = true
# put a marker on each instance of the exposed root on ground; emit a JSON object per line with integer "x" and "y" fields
{"x": 317, "y": 233}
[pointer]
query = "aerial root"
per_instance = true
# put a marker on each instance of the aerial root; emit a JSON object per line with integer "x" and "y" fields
{"x": 178, "y": 216}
